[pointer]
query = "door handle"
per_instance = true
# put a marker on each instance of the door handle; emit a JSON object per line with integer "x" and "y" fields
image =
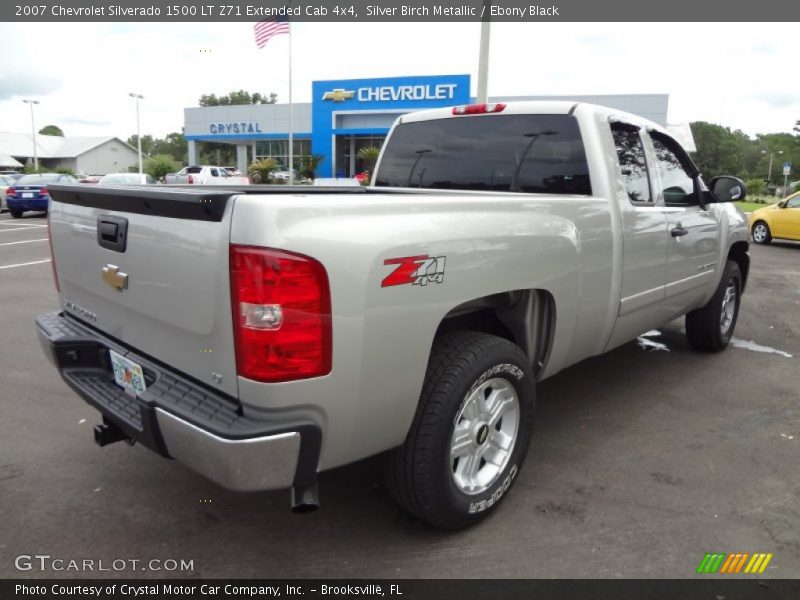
{"x": 679, "y": 231}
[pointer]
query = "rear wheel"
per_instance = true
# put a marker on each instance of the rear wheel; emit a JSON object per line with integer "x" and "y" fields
{"x": 761, "y": 233}
{"x": 470, "y": 434}
{"x": 15, "y": 213}
{"x": 711, "y": 327}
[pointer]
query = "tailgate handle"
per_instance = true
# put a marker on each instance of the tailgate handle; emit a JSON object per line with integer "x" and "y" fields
{"x": 112, "y": 232}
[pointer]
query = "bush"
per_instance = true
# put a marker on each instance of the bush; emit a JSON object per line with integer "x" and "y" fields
{"x": 159, "y": 165}
{"x": 756, "y": 187}
{"x": 261, "y": 170}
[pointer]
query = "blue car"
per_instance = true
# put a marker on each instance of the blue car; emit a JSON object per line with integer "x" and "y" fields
{"x": 30, "y": 192}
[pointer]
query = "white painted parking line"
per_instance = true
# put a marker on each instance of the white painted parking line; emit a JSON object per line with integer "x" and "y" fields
{"x": 16, "y": 229}
{"x": 20, "y": 224}
{"x": 35, "y": 262}
{"x": 23, "y": 242}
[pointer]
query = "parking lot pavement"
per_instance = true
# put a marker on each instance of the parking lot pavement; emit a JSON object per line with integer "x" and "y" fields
{"x": 642, "y": 462}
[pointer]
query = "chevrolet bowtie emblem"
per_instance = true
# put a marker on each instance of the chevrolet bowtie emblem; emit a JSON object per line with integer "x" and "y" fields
{"x": 339, "y": 95}
{"x": 112, "y": 276}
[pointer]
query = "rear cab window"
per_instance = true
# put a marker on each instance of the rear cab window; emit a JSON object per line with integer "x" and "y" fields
{"x": 507, "y": 153}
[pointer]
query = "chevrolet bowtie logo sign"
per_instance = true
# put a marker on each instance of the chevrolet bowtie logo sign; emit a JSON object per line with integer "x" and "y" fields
{"x": 339, "y": 95}
{"x": 112, "y": 276}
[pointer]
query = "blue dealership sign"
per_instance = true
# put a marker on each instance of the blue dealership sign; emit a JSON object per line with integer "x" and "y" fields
{"x": 369, "y": 106}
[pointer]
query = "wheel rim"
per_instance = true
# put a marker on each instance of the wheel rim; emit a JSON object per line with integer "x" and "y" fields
{"x": 759, "y": 232}
{"x": 484, "y": 436}
{"x": 728, "y": 307}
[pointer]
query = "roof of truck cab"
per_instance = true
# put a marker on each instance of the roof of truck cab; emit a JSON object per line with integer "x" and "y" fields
{"x": 537, "y": 107}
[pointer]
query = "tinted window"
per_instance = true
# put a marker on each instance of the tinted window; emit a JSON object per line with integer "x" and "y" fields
{"x": 40, "y": 179}
{"x": 677, "y": 184}
{"x": 192, "y": 170}
{"x": 793, "y": 203}
{"x": 517, "y": 153}
{"x": 632, "y": 162}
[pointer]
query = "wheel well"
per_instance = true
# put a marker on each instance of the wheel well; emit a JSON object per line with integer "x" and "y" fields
{"x": 741, "y": 256}
{"x": 524, "y": 317}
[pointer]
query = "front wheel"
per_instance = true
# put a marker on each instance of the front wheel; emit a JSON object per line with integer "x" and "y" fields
{"x": 711, "y": 327}
{"x": 761, "y": 233}
{"x": 470, "y": 433}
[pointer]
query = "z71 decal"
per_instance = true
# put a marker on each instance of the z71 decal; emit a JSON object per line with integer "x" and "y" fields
{"x": 416, "y": 270}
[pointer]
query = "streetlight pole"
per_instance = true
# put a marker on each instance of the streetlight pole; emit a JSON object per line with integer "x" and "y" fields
{"x": 771, "y": 156}
{"x": 33, "y": 134}
{"x": 138, "y": 131}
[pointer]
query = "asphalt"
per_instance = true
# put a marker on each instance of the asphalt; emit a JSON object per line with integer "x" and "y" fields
{"x": 642, "y": 462}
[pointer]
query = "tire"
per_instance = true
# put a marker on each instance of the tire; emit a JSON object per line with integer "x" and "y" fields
{"x": 16, "y": 214}
{"x": 448, "y": 484}
{"x": 710, "y": 328}
{"x": 761, "y": 233}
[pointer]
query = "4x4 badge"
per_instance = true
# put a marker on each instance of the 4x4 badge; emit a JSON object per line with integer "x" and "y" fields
{"x": 416, "y": 270}
{"x": 113, "y": 277}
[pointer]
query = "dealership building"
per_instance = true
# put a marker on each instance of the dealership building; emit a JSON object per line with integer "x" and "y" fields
{"x": 347, "y": 115}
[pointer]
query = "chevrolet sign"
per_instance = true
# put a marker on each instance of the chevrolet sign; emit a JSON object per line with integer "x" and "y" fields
{"x": 388, "y": 93}
{"x": 338, "y": 95}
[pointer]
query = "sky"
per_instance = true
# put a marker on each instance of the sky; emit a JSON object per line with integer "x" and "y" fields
{"x": 735, "y": 74}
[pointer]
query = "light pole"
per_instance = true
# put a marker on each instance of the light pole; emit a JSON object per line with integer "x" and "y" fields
{"x": 771, "y": 156}
{"x": 33, "y": 134}
{"x": 138, "y": 132}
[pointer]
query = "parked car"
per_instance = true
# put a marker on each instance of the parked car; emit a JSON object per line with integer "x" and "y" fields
{"x": 781, "y": 220}
{"x": 206, "y": 175}
{"x": 127, "y": 179}
{"x": 283, "y": 175}
{"x": 5, "y": 183}
{"x": 337, "y": 182}
{"x": 30, "y": 192}
{"x": 413, "y": 317}
{"x": 90, "y": 179}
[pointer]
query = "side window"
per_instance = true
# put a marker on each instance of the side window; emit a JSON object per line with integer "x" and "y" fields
{"x": 214, "y": 173}
{"x": 793, "y": 203}
{"x": 632, "y": 163}
{"x": 677, "y": 184}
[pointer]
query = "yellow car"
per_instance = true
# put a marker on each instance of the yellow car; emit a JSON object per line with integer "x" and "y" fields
{"x": 781, "y": 220}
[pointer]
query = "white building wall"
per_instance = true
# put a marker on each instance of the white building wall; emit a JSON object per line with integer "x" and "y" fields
{"x": 111, "y": 157}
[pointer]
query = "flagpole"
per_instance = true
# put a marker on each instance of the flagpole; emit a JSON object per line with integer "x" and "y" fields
{"x": 291, "y": 136}
{"x": 483, "y": 57}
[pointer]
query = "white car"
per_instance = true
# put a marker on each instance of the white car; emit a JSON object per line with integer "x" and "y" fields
{"x": 5, "y": 183}
{"x": 127, "y": 179}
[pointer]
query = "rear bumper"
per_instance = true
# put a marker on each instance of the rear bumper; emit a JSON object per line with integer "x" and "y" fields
{"x": 181, "y": 419}
{"x": 27, "y": 204}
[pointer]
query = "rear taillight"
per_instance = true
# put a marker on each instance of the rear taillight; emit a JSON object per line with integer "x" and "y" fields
{"x": 191, "y": 179}
{"x": 478, "y": 109}
{"x": 43, "y": 192}
{"x": 10, "y": 191}
{"x": 281, "y": 314}
{"x": 52, "y": 254}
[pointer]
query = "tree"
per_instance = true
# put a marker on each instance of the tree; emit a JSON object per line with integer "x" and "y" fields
{"x": 236, "y": 98}
{"x": 51, "y": 130}
{"x": 310, "y": 164}
{"x": 369, "y": 154}
{"x": 261, "y": 170}
{"x": 719, "y": 151}
{"x": 160, "y": 164}
{"x": 147, "y": 143}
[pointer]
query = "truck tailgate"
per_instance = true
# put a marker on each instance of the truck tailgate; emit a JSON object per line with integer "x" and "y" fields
{"x": 150, "y": 268}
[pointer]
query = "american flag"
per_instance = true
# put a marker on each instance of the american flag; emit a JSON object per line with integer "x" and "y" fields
{"x": 268, "y": 28}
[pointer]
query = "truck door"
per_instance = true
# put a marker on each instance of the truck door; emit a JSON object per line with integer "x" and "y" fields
{"x": 644, "y": 237}
{"x": 693, "y": 232}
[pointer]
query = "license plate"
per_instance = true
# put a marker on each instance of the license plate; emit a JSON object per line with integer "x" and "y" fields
{"x": 27, "y": 194}
{"x": 127, "y": 374}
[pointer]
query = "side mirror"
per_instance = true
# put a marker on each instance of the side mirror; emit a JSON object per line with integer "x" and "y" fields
{"x": 782, "y": 204}
{"x": 728, "y": 189}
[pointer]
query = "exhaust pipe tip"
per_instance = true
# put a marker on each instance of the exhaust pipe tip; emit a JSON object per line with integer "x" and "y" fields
{"x": 305, "y": 498}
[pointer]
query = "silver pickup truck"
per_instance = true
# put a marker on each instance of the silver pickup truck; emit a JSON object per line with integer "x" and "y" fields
{"x": 261, "y": 335}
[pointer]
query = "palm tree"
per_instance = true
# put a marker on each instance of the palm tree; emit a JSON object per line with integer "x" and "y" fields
{"x": 309, "y": 165}
{"x": 261, "y": 170}
{"x": 369, "y": 154}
